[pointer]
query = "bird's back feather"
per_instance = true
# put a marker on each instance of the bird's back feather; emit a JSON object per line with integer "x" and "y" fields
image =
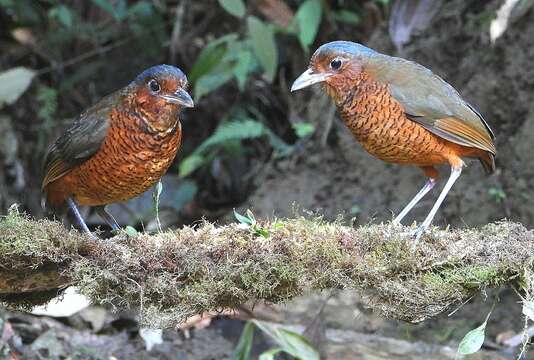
{"x": 79, "y": 142}
{"x": 430, "y": 101}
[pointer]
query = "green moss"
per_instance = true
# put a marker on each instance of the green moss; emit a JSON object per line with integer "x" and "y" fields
{"x": 176, "y": 274}
{"x": 475, "y": 276}
{"x": 451, "y": 279}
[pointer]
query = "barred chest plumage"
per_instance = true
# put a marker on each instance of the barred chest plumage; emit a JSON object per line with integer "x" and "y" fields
{"x": 128, "y": 163}
{"x": 379, "y": 123}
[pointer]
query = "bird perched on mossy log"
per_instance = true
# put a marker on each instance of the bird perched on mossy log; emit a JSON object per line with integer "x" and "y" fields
{"x": 402, "y": 113}
{"x": 120, "y": 147}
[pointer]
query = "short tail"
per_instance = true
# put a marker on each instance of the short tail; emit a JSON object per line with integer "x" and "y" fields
{"x": 488, "y": 162}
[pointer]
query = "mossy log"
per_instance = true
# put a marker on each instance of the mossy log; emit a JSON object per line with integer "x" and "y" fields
{"x": 172, "y": 275}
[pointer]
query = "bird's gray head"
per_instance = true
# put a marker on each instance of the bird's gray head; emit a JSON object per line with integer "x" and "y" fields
{"x": 333, "y": 62}
{"x": 163, "y": 82}
{"x": 158, "y": 95}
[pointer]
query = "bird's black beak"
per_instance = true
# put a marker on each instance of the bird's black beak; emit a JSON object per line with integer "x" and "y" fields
{"x": 309, "y": 78}
{"x": 180, "y": 97}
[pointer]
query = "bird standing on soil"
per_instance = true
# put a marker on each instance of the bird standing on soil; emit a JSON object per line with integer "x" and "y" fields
{"x": 402, "y": 113}
{"x": 120, "y": 147}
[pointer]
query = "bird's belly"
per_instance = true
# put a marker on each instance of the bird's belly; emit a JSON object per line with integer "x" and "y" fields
{"x": 392, "y": 137}
{"x": 124, "y": 167}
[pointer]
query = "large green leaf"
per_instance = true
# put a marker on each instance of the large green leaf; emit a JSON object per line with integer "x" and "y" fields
{"x": 234, "y": 130}
{"x": 13, "y": 83}
{"x": 270, "y": 354}
{"x": 246, "y": 220}
{"x": 264, "y": 45}
{"x": 213, "y": 81}
{"x": 308, "y": 18}
{"x": 472, "y": 341}
{"x": 242, "y": 68}
{"x": 242, "y": 350}
{"x": 347, "y": 16}
{"x": 290, "y": 342}
{"x": 190, "y": 164}
{"x": 226, "y": 132}
{"x": 234, "y": 7}
{"x": 210, "y": 56}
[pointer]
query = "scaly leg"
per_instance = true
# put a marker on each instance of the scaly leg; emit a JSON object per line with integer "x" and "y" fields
{"x": 455, "y": 174}
{"x": 107, "y": 217}
{"x": 78, "y": 216}
{"x": 426, "y": 188}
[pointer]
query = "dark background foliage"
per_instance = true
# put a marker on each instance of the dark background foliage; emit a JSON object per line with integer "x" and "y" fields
{"x": 249, "y": 143}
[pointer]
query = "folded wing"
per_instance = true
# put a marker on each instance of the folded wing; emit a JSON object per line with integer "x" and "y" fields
{"x": 433, "y": 103}
{"x": 79, "y": 142}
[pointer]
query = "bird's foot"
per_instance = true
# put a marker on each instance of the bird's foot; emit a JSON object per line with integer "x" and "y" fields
{"x": 91, "y": 235}
{"x": 417, "y": 233}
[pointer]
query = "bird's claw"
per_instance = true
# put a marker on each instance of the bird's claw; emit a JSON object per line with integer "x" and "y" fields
{"x": 417, "y": 233}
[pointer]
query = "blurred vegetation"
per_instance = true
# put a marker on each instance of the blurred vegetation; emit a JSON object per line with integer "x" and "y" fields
{"x": 59, "y": 57}
{"x": 240, "y": 59}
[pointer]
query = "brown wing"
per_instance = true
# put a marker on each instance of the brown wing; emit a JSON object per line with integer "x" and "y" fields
{"x": 79, "y": 142}
{"x": 432, "y": 102}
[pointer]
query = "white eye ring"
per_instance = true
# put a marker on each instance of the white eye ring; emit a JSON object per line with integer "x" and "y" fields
{"x": 336, "y": 63}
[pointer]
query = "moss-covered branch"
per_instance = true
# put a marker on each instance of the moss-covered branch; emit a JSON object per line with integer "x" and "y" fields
{"x": 175, "y": 274}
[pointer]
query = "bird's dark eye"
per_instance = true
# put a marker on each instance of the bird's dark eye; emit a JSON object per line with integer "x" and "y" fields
{"x": 336, "y": 64}
{"x": 154, "y": 86}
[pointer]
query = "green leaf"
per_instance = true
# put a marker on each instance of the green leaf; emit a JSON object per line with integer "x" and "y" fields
{"x": 190, "y": 164}
{"x": 308, "y": 18}
{"x": 348, "y": 17}
{"x": 229, "y": 131}
{"x": 243, "y": 219}
{"x": 210, "y": 56}
{"x": 251, "y": 216}
{"x": 269, "y": 354}
{"x": 528, "y": 309}
{"x": 141, "y": 8}
{"x": 264, "y": 45}
{"x": 262, "y": 232}
{"x": 292, "y": 343}
{"x": 130, "y": 231}
{"x": 280, "y": 147}
{"x": 473, "y": 340}
{"x": 233, "y": 130}
{"x": 242, "y": 68}
{"x": 303, "y": 129}
{"x": 13, "y": 83}
{"x": 117, "y": 9}
{"x": 233, "y": 7}
{"x": 244, "y": 345}
{"x": 63, "y": 14}
{"x": 105, "y": 5}
{"x": 211, "y": 82}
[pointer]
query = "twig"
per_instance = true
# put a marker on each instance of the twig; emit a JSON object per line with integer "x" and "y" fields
{"x": 177, "y": 29}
